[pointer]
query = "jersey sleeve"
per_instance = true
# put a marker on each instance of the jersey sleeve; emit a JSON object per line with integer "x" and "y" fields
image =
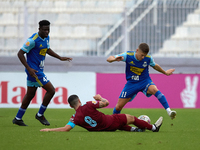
{"x": 71, "y": 121}
{"x": 30, "y": 43}
{"x": 122, "y": 54}
{"x": 71, "y": 124}
{"x": 152, "y": 63}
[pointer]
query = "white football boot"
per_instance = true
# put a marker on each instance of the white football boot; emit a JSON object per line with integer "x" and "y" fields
{"x": 172, "y": 114}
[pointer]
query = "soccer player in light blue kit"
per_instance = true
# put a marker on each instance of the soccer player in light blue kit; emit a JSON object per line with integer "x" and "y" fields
{"x": 138, "y": 79}
{"x": 36, "y": 48}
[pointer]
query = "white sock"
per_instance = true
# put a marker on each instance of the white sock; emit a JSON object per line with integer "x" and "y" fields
{"x": 39, "y": 115}
{"x": 168, "y": 110}
{"x": 18, "y": 118}
{"x": 153, "y": 128}
{"x": 132, "y": 129}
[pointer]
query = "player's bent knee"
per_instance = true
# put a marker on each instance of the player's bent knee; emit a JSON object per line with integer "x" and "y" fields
{"x": 130, "y": 119}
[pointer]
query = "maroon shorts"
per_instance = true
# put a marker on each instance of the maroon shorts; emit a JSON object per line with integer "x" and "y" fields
{"x": 119, "y": 120}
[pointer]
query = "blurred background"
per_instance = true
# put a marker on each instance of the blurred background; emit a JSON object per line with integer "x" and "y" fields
{"x": 95, "y": 29}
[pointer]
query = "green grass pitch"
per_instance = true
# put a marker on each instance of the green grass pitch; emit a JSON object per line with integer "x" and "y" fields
{"x": 182, "y": 133}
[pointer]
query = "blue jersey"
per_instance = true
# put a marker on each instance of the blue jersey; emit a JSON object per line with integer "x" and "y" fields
{"x": 136, "y": 70}
{"x": 36, "y": 49}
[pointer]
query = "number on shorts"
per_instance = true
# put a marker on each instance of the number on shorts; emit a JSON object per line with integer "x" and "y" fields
{"x": 45, "y": 79}
{"x": 123, "y": 94}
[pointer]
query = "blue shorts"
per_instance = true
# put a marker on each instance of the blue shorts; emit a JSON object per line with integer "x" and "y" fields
{"x": 39, "y": 82}
{"x": 132, "y": 88}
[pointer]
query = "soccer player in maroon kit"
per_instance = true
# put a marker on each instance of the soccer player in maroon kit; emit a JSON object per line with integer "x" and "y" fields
{"x": 88, "y": 117}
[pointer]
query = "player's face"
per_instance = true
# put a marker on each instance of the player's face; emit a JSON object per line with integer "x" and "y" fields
{"x": 44, "y": 31}
{"x": 140, "y": 55}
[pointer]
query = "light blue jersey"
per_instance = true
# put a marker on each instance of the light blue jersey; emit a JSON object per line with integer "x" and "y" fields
{"x": 36, "y": 49}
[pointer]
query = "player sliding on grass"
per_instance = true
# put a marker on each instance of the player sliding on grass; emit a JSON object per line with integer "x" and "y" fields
{"x": 138, "y": 79}
{"x": 88, "y": 117}
{"x": 36, "y": 48}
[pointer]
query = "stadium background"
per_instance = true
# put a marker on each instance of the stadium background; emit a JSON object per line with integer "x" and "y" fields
{"x": 90, "y": 31}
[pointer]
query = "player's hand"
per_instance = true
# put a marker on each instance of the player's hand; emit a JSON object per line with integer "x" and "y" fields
{"x": 32, "y": 71}
{"x": 97, "y": 97}
{"x": 169, "y": 72}
{"x": 45, "y": 130}
{"x": 65, "y": 58}
{"x": 119, "y": 58}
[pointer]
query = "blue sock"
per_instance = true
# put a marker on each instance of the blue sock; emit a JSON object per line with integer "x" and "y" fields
{"x": 20, "y": 113}
{"x": 42, "y": 110}
{"x": 162, "y": 99}
{"x": 116, "y": 111}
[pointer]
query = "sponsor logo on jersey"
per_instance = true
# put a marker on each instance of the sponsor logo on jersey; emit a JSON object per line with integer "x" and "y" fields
{"x": 136, "y": 70}
{"x": 132, "y": 63}
{"x": 43, "y": 51}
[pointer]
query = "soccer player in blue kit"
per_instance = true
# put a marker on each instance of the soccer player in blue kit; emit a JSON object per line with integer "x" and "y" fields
{"x": 138, "y": 79}
{"x": 36, "y": 48}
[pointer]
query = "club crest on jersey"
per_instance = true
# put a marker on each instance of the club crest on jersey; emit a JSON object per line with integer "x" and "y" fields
{"x": 145, "y": 64}
{"x": 41, "y": 45}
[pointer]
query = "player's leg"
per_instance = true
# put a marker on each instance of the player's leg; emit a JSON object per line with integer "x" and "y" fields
{"x": 152, "y": 89}
{"x": 128, "y": 93}
{"x": 25, "y": 103}
{"x": 141, "y": 124}
{"x": 120, "y": 104}
{"x": 50, "y": 91}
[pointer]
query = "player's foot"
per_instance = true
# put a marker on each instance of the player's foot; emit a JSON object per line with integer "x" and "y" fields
{"x": 158, "y": 124}
{"x": 42, "y": 119}
{"x": 138, "y": 130}
{"x": 172, "y": 114}
{"x": 18, "y": 122}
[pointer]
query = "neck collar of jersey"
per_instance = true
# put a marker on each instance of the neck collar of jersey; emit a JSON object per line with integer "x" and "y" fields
{"x": 41, "y": 38}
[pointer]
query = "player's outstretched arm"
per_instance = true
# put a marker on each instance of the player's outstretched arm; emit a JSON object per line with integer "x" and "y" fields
{"x": 167, "y": 72}
{"x": 53, "y": 54}
{"x": 61, "y": 129}
{"x": 113, "y": 58}
{"x": 102, "y": 101}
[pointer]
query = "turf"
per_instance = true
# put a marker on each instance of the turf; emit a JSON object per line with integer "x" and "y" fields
{"x": 181, "y": 133}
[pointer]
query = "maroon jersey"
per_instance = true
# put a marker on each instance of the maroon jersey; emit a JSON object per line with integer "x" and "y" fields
{"x": 91, "y": 119}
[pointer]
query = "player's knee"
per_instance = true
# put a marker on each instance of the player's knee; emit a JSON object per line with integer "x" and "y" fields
{"x": 52, "y": 91}
{"x": 130, "y": 119}
{"x": 30, "y": 96}
{"x": 118, "y": 107}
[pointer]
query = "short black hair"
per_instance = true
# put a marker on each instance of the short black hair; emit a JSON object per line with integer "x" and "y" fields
{"x": 73, "y": 100}
{"x": 44, "y": 23}
{"x": 144, "y": 47}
